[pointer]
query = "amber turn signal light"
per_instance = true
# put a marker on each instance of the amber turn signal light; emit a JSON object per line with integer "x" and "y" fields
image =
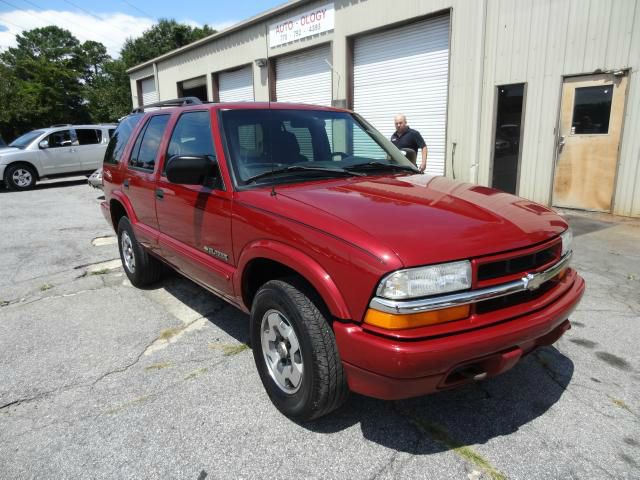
{"x": 392, "y": 321}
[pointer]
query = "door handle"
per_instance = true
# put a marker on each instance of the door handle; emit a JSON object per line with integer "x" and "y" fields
{"x": 125, "y": 183}
{"x": 159, "y": 193}
{"x": 561, "y": 142}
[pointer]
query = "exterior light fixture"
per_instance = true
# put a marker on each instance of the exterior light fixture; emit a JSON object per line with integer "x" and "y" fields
{"x": 261, "y": 62}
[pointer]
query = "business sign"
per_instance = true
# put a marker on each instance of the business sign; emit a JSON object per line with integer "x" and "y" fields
{"x": 320, "y": 19}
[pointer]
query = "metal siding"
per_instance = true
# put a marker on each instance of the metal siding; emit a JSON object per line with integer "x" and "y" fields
{"x": 555, "y": 38}
{"x": 383, "y": 86}
{"x": 305, "y": 77}
{"x": 237, "y": 85}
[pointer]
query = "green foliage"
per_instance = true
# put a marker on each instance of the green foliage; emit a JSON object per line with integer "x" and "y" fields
{"x": 163, "y": 37}
{"x": 50, "y": 77}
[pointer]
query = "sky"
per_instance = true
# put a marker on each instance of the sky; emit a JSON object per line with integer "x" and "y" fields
{"x": 111, "y": 22}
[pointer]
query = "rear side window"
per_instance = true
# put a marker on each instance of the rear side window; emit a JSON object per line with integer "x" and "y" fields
{"x": 191, "y": 136}
{"x": 120, "y": 138}
{"x": 146, "y": 147}
{"x": 88, "y": 136}
{"x": 111, "y": 132}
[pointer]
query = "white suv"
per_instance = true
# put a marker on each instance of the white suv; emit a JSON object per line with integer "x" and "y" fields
{"x": 58, "y": 151}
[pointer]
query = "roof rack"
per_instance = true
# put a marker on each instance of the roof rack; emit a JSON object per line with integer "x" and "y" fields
{"x": 55, "y": 125}
{"x": 176, "y": 102}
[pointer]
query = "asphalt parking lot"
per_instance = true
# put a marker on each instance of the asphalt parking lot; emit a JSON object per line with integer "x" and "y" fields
{"x": 102, "y": 380}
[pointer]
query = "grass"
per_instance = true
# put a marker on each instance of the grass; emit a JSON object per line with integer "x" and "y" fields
{"x": 620, "y": 403}
{"x": 195, "y": 373}
{"x": 127, "y": 404}
{"x": 440, "y": 434}
{"x": 168, "y": 333}
{"x": 229, "y": 350}
{"x": 45, "y": 287}
{"x": 102, "y": 271}
{"x": 4, "y": 303}
{"x": 158, "y": 366}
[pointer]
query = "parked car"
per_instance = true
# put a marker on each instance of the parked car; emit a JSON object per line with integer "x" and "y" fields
{"x": 358, "y": 272}
{"x": 58, "y": 151}
{"x": 95, "y": 179}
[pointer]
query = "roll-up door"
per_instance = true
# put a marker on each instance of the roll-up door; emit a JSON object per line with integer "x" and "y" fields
{"x": 149, "y": 93}
{"x": 305, "y": 77}
{"x": 405, "y": 70}
{"x": 236, "y": 85}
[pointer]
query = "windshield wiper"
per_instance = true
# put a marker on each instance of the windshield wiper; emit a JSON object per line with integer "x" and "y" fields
{"x": 301, "y": 168}
{"x": 380, "y": 165}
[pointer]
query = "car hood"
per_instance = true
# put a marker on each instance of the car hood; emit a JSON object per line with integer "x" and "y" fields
{"x": 425, "y": 219}
{"x": 8, "y": 150}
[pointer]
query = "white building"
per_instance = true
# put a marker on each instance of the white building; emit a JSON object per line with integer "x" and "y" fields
{"x": 537, "y": 97}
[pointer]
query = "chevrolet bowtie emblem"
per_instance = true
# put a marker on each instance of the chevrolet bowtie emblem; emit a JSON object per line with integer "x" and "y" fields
{"x": 533, "y": 282}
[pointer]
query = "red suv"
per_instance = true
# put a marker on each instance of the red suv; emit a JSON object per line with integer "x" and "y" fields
{"x": 359, "y": 273}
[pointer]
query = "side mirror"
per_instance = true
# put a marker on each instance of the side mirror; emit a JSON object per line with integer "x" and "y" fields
{"x": 191, "y": 169}
{"x": 410, "y": 154}
{"x": 44, "y": 144}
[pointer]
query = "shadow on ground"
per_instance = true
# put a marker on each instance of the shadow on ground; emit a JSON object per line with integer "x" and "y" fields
{"x": 447, "y": 420}
{"x": 46, "y": 186}
{"x": 469, "y": 415}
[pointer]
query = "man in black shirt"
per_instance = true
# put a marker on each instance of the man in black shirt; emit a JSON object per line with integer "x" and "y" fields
{"x": 405, "y": 137}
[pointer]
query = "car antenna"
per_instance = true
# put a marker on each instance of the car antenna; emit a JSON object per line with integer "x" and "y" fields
{"x": 268, "y": 67}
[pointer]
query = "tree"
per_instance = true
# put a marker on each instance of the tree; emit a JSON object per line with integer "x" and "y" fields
{"x": 44, "y": 73}
{"x": 161, "y": 38}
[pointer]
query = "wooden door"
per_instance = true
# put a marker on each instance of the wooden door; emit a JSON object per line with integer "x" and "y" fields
{"x": 591, "y": 116}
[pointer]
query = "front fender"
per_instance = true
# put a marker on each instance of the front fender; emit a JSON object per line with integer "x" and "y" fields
{"x": 306, "y": 266}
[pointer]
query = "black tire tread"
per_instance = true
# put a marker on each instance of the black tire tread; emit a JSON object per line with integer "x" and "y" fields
{"x": 9, "y": 172}
{"x": 148, "y": 268}
{"x": 331, "y": 387}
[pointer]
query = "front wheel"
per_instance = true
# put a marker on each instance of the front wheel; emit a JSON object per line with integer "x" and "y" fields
{"x": 20, "y": 177}
{"x": 295, "y": 351}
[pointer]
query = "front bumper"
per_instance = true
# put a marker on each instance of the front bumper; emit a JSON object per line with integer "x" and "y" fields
{"x": 390, "y": 369}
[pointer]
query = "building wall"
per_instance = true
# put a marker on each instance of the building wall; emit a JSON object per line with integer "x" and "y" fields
{"x": 492, "y": 42}
{"x": 538, "y": 43}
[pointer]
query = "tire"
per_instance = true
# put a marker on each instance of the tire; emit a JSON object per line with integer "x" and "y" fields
{"x": 20, "y": 177}
{"x": 311, "y": 381}
{"x": 141, "y": 268}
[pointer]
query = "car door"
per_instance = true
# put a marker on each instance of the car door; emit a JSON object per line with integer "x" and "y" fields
{"x": 195, "y": 220}
{"x": 139, "y": 179}
{"x": 90, "y": 148}
{"x": 59, "y": 154}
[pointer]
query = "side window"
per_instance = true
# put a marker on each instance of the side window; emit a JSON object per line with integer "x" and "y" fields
{"x": 88, "y": 136}
{"x": 191, "y": 136}
{"x": 63, "y": 138}
{"x": 111, "y": 132}
{"x": 145, "y": 150}
{"x": 120, "y": 138}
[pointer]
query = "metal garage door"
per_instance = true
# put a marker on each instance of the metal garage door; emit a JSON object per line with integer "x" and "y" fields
{"x": 149, "y": 93}
{"x": 405, "y": 70}
{"x": 305, "y": 77}
{"x": 237, "y": 85}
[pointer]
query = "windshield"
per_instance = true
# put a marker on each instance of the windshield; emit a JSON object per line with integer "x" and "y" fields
{"x": 24, "y": 140}
{"x": 277, "y": 146}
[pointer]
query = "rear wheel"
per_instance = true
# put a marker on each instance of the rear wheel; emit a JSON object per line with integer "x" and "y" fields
{"x": 141, "y": 268}
{"x": 295, "y": 351}
{"x": 20, "y": 177}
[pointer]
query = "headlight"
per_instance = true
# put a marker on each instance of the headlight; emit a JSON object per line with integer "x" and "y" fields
{"x": 567, "y": 240}
{"x": 423, "y": 281}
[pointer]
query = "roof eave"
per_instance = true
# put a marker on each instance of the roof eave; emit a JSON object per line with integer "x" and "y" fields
{"x": 238, "y": 26}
